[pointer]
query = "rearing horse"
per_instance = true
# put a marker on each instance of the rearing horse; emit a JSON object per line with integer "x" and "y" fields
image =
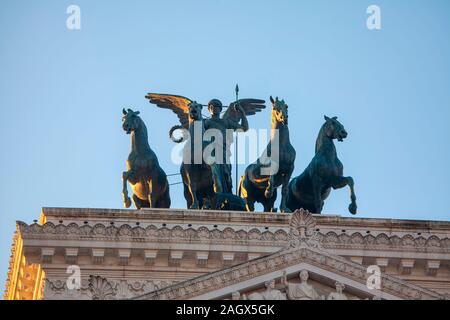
{"x": 148, "y": 181}
{"x": 259, "y": 182}
{"x": 313, "y": 186}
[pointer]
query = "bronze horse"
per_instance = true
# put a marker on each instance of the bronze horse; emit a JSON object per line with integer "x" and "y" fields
{"x": 313, "y": 186}
{"x": 148, "y": 181}
{"x": 259, "y": 183}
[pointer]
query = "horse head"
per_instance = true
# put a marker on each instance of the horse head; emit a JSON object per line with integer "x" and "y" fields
{"x": 333, "y": 129}
{"x": 279, "y": 111}
{"x": 130, "y": 120}
{"x": 195, "y": 111}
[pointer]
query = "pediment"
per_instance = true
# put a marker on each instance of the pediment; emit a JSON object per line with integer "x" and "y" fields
{"x": 304, "y": 255}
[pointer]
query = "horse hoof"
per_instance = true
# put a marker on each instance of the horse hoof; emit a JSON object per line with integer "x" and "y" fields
{"x": 286, "y": 210}
{"x": 127, "y": 203}
{"x": 352, "y": 208}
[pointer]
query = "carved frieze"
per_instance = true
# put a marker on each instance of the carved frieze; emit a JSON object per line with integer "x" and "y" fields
{"x": 100, "y": 288}
{"x": 235, "y": 235}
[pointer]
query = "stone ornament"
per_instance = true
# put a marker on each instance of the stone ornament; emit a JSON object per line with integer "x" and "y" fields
{"x": 269, "y": 294}
{"x": 236, "y": 296}
{"x": 302, "y": 290}
{"x": 302, "y": 229}
{"x": 100, "y": 288}
{"x": 338, "y": 295}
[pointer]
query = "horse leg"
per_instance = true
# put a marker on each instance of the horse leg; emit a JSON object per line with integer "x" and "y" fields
{"x": 216, "y": 171}
{"x": 284, "y": 193}
{"x": 195, "y": 202}
{"x": 193, "y": 191}
{"x": 163, "y": 202}
{"x": 140, "y": 203}
{"x": 164, "y": 199}
{"x": 341, "y": 182}
{"x": 126, "y": 198}
{"x": 151, "y": 194}
{"x": 243, "y": 193}
{"x": 269, "y": 190}
{"x": 268, "y": 206}
{"x": 207, "y": 204}
{"x": 317, "y": 194}
{"x": 249, "y": 205}
{"x": 187, "y": 195}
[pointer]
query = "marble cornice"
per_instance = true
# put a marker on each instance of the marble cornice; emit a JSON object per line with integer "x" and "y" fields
{"x": 228, "y": 234}
{"x": 177, "y": 216}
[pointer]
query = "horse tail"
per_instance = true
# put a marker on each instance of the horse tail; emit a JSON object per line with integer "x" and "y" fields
{"x": 182, "y": 138}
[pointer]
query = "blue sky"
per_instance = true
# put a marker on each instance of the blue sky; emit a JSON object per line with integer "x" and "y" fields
{"x": 62, "y": 92}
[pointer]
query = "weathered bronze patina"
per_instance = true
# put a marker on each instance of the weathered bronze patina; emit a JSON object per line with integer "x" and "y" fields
{"x": 313, "y": 186}
{"x": 148, "y": 181}
{"x": 202, "y": 181}
{"x": 255, "y": 185}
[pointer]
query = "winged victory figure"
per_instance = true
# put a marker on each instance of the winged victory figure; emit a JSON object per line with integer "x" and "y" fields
{"x": 201, "y": 187}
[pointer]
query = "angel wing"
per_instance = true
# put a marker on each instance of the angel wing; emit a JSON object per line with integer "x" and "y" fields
{"x": 178, "y": 104}
{"x": 250, "y": 106}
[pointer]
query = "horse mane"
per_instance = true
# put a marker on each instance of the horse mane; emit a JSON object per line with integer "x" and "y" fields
{"x": 273, "y": 119}
{"x": 144, "y": 129}
{"x": 320, "y": 137}
{"x": 143, "y": 135}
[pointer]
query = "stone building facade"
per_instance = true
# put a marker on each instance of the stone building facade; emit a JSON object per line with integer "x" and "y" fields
{"x": 184, "y": 254}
